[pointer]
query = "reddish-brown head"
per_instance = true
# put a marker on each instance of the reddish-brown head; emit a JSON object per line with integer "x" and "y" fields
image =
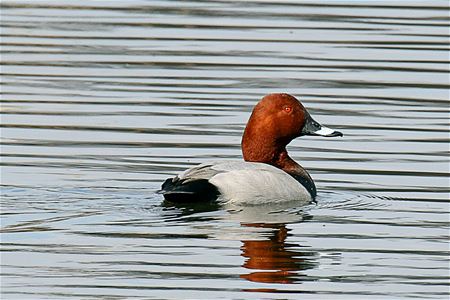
{"x": 275, "y": 121}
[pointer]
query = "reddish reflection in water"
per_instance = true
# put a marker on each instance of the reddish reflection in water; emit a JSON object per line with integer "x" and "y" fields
{"x": 274, "y": 260}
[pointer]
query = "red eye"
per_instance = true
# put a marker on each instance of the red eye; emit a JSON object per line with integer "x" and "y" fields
{"x": 287, "y": 109}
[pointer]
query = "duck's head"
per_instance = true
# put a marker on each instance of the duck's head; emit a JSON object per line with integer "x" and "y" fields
{"x": 275, "y": 121}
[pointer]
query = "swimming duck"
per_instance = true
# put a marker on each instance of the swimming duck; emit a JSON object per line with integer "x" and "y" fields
{"x": 267, "y": 174}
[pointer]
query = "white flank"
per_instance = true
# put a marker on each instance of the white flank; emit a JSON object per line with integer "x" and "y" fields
{"x": 256, "y": 183}
{"x": 249, "y": 183}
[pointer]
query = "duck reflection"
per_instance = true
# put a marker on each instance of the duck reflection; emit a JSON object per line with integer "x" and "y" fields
{"x": 263, "y": 234}
{"x": 191, "y": 209}
{"x": 274, "y": 260}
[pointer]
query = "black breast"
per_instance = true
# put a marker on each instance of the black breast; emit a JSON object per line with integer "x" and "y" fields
{"x": 306, "y": 181}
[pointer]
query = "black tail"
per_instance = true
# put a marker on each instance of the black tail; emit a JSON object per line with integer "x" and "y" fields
{"x": 176, "y": 190}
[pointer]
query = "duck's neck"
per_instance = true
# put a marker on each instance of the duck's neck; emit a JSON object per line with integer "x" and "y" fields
{"x": 277, "y": 156}
{"x": 285, "y": 162}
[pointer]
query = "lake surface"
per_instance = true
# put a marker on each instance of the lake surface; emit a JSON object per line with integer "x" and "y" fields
{"x": 103, "y": 100}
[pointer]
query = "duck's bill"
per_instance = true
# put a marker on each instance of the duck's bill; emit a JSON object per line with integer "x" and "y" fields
{"x": 312, "y": 127}
{"x": 327, "y": 132}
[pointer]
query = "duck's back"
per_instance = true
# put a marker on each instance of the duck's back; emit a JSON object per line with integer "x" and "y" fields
{"x": 235, "y": 181}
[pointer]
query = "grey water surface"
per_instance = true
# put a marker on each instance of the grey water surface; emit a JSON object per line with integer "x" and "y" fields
{"x": 103, "y": 100}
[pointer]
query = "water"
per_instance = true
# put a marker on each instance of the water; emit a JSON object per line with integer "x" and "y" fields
{"x": 103, "y": 100}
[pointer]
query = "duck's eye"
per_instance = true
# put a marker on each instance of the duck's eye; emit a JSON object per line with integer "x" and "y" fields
{"x": 287, "y": 109}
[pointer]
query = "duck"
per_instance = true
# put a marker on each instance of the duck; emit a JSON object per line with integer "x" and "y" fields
{"x": 267, "y": 174}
